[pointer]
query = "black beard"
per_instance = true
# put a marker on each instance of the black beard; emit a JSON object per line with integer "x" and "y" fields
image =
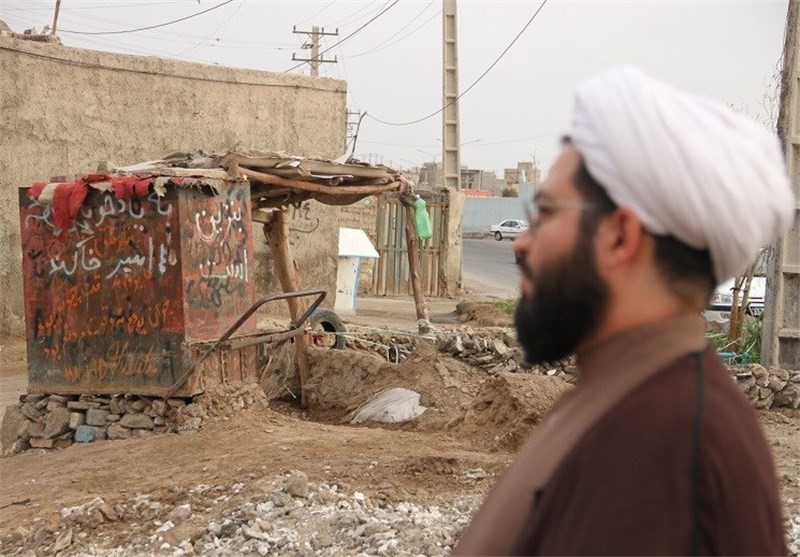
{"x": 568, "y": 303}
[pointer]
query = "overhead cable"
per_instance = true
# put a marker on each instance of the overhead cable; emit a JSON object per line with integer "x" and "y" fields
{"x": 334, "y": 45}
{"x": 315, "y": 14}
{"x": 403, "y": 28}
{"x": 473, "y": 84}
{"x": 149, "y": 26}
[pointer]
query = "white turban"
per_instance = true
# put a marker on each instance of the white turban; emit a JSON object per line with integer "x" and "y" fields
{"x": 687, "y": 166}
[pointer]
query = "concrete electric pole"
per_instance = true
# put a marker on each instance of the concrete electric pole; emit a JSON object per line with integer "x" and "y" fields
{"x": 781, "y": 333}
{"x": 451, "y": 155}
{"x": 315, "y": 60}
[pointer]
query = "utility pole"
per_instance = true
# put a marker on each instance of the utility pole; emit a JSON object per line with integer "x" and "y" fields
{"x": 781, "y": 331}
{"x": 353, "y": 118}
{"x": 451, "y": 155}
{"x": 315, "y": 35}
{"x": 55, "y": 17}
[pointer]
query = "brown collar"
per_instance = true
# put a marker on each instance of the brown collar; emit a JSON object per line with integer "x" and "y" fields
{"x": 648, "y": 347}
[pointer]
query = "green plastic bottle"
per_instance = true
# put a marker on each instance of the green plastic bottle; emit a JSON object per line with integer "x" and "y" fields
{"x": 423, "y": 219}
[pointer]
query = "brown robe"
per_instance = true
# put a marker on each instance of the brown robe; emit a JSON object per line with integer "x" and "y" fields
{"x": 655, "y": 451}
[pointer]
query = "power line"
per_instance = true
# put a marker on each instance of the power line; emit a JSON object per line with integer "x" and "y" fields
{"x": 334, "y": 45}
{"x": 349, "y": 19}
{"x": 309, "y": 18}
{"x": 214, "y": 32}
{"x": 403, "y": 28}
{"x": 474, "y": 83}
{"x": 401, "y": 39}
{"x": 150, "y": 26}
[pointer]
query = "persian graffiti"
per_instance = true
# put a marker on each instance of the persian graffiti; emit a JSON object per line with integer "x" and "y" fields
{"x": 112, "y": 300}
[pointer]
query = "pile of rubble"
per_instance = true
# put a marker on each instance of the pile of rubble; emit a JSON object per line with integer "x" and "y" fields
{"x": 287, "y": 515}
{"x": 57, "y": 421}
{"x": 494, "y": 350}
{"x": 768, "y": 388}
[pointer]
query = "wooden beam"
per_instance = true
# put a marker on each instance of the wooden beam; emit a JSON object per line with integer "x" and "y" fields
{"x": 277, "y": 234}
{"x": 413, "y": 267}
{"x": 270, "y": 180}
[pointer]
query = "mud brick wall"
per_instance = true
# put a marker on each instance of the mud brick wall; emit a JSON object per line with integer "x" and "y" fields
{"x": 65, "y": 110}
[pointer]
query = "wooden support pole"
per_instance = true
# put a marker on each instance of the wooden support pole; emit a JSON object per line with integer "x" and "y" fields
{"x": 413, "y": 266}
{"x": 277, "y": 233}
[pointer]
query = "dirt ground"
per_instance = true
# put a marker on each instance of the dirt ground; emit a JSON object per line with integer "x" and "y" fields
{"x": 472, "y": 422}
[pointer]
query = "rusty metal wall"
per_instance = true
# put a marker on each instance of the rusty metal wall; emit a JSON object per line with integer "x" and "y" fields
{"x": 391, "y": 276}
{"x": 113, "y": 305}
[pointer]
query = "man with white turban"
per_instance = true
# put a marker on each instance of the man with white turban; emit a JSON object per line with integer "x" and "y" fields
{"x": 655, "y": 198}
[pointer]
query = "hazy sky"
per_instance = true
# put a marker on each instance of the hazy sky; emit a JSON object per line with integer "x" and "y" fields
{"x": 724, "y": 49}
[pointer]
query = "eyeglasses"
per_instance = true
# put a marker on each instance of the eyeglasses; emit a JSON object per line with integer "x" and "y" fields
{"x": 537, "y": 209}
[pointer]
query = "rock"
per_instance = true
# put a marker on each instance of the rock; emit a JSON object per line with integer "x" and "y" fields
{"x": 59, "y": 398}
{"x": 56, "y": 422}
{"x": 138, "y": 405}
{"x": 765, "y": 399}
{"x": 157, "y": 408}
{"x": 108, "y": 512}
{"x": 53, "y": 404}
{"x": 114, "y": 406}
{"x": 778, "y": 378}
{"x": 36, "y": 429}
{"x": 84, "y": 434}
{"x": 788, "y": 397}
{"x": 159, "y": 421}
{"x": 116, "y": 431}
{"x": 64, "y": 540}
{"x": 30, "y": 412}
{"x": 228, "y": 529}
{"x": 194, "y": 410}
{"x": 100, "y": 434}
{"x": 137, "y": 421}
{"x": 113, "y": 418}
{"x": 62, "y": 443}
{"x": 142, "y": 432}
{"x": 176, "y": 403}
{"x": 214, "y": 529}
{"x": 296, "y": 484}
{"x": 13, "y": 422}
{"x": 96, "y": 417}
{"x": 17, "y": 447}
{"x": 192, "y": 425}
{"x": 76, "y": 419}
{"x": 82, "y": 405}
{"x": 253, "y": 533}
{"x": 180, "y": 514}
{"x": 40, "y": 443}
{"x": 760, "y": 373}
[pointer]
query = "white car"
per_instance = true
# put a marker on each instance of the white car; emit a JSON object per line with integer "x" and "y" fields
{"x": 510, "y": 228}
{"x": 720, "y": 307}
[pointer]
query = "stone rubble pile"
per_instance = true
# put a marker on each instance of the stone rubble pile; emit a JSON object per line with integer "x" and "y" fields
{"x": 57, "y": 421}
{"x": 496, "y": 351}
{"x": 768, "y": 388}
{"x": 287, "y": 516}
{"x": 291, "y": 516}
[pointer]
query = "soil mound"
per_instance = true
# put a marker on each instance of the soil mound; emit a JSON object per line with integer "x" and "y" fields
{"x": 483, "y": 314}
{"x": 509, "y": 405}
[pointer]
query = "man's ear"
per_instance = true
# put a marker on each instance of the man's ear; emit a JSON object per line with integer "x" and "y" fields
{"x": 620, "y": 238}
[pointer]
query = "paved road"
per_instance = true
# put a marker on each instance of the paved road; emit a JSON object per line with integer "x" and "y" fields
{"x": 489, "y": 268}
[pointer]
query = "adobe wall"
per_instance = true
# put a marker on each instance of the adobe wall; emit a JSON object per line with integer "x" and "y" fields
{"x": 64, "y": 110}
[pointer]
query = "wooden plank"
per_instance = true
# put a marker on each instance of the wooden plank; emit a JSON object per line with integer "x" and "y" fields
{"x": 277, "y": 233}
{"x": 420, "y": 304}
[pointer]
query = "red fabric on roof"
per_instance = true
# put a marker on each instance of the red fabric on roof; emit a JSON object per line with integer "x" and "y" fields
{"x": 125, "y": 187}
{"x": 67, "y": 201}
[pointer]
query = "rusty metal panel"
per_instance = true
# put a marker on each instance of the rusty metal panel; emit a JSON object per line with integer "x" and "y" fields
{"x": 113, "y": 304}
{"x": 216, "y": 248}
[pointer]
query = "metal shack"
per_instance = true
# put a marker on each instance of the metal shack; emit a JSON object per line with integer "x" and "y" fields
{"x": 130, "y": 277}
